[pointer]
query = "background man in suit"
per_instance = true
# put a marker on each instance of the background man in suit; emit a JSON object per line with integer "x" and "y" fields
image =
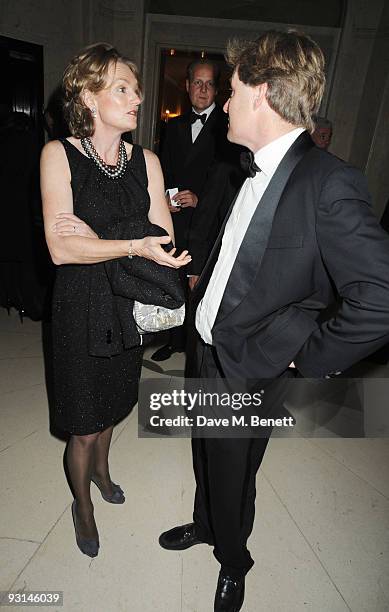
{"x": 194, "y": 144}
{"x": 300, "y": 226}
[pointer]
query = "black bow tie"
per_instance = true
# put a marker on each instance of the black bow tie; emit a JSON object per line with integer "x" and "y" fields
{"x": 194, "y": 116}
{"x": 248, "y": 164}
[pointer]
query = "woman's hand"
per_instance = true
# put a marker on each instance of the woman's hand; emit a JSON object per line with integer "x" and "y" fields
{"x": 150, "y": 248}
{"x": 70, "y": 225}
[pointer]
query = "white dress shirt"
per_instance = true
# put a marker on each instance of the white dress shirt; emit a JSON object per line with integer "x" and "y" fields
{"x": 267, "y": 159}
{"x": 198, "y": 125}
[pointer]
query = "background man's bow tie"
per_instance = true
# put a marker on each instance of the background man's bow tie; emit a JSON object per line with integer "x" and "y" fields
{"x": 194, "y": 116}
{"x": 248, "y": 164}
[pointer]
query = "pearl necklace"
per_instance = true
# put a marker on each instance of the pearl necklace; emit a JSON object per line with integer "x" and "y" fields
{"x": 114, "y": 172}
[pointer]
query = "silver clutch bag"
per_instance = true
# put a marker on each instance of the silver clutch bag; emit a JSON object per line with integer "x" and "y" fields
{"x": 150, "y": 318}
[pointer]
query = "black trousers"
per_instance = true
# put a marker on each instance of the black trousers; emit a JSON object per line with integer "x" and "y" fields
{"x": 178, "y": 335}
{"x": 225, "y": 471}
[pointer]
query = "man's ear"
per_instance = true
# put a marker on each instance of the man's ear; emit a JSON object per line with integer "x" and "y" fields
{"x": 187, "y": 85}
{"x": 259, "y": 95}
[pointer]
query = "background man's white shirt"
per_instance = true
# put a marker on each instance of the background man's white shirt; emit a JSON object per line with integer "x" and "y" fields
{"x": 197, "y": 125}
{"x": 267, "y": 159}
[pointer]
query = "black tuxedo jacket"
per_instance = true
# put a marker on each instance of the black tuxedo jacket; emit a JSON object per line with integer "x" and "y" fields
{"x": 225, "y": 180}
{"x": 188, "y": 165}
{"x": 313, "y": 236}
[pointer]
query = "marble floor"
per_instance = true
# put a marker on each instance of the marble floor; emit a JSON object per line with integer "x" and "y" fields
{"x": 320, "y": 540}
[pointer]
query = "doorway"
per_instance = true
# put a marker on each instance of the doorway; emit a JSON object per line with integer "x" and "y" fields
{"x": 172, "y": 96}
{"x": 25, "y": 270}
{"x": 21, "y": 65}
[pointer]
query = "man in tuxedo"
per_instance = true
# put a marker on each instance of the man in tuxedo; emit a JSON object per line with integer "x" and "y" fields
{"x": 194, "y": 145}
{"x": 300, "y": 227}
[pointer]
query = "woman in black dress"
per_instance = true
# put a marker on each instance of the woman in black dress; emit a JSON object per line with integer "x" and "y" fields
{"x": 90, "y": 181}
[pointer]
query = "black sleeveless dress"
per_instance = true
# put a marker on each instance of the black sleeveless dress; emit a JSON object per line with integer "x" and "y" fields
{"x": 92, "y": 393}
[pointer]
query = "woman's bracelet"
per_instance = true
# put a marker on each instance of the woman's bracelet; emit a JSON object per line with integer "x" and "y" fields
{"x": 130, "y": 253}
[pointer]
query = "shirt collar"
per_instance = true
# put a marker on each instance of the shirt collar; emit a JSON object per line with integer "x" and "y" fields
{"x": 206, "y": 111}
{"x": 269, "y": 157}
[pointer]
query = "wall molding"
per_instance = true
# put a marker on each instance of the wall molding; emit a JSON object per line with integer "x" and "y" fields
{"x": 107, "y": 10}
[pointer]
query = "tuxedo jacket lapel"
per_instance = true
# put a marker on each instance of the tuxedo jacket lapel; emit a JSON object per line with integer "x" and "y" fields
{"x": 251, "y": 252}
{"x": 186, "y": 136}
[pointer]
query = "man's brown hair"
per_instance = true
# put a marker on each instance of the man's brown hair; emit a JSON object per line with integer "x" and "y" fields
{"x": 88, "y": 70}
{"x": 291, "y": 64}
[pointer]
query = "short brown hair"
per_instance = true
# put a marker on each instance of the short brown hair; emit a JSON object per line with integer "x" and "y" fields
{"x": 88, "y": 71}
{"x": 291, "y": 64}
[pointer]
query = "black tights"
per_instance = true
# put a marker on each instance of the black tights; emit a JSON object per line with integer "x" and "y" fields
{"x": 87, "y": 457}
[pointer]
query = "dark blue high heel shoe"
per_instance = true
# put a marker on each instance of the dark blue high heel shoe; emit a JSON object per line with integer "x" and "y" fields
{"x": 88, "y": 547}
{"x": 117, "y": 496}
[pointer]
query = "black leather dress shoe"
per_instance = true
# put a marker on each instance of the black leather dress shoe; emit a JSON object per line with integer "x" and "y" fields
{"x": 229, "y": 594}
{"x": 163, "y": 353}
{"x": 180, "y": 538}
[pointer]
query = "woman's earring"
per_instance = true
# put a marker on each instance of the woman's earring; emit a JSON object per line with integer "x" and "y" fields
{"x": 94, "y": 111}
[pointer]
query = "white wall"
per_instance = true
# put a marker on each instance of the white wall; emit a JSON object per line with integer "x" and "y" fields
{"x": 356, "y": 99}
{"x": 119, "y": 22}
{"x": 57, "y": 26}
{"x": 63, "y": 27}
{"x": 356, "y": 45}
{"x": 370, "y": 147}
